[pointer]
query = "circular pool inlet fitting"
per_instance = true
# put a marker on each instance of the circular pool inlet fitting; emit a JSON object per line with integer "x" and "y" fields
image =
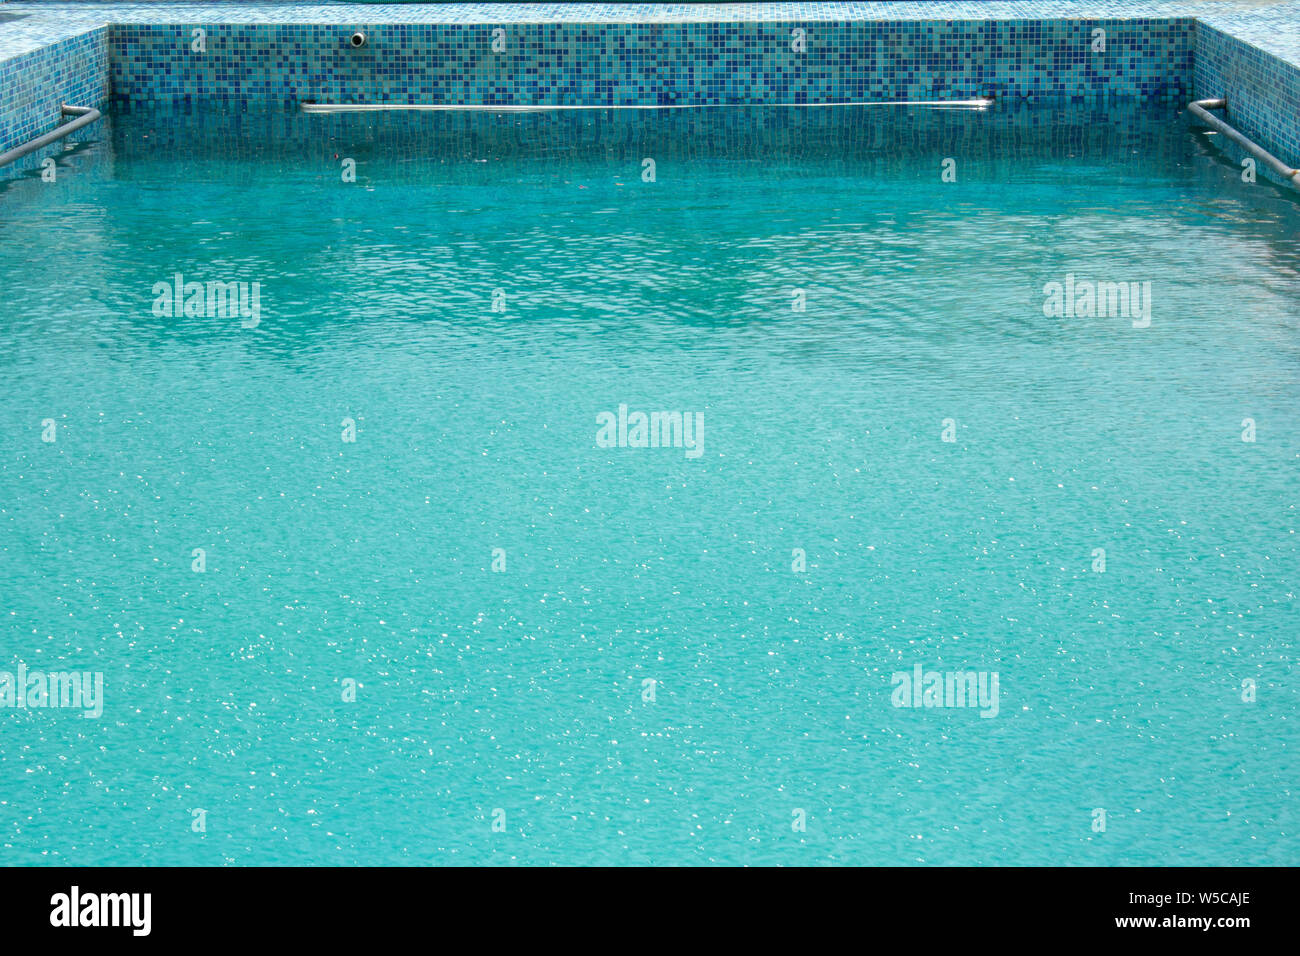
{"x": 358, "y": 39}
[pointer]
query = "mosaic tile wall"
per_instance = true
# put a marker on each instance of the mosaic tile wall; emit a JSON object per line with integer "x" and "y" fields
{"x": 666, "y": 54}
{"x": 34, "y": 85}
{"x": 655, "y": 63}
{"x": 1263, "y": 91}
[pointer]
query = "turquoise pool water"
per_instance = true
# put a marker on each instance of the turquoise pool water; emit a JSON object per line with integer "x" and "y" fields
{"x": 523, "y": 690}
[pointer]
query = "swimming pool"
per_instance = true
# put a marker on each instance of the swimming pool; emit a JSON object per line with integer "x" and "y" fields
{"x": 371, "y": 578}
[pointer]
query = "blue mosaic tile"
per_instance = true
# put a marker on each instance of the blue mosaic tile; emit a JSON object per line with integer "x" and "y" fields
{"x": 1263, "y": 91}
{"x": 33, "y": 86}
{"x": 653, "y": 54}
{"x": 659, "y": 63}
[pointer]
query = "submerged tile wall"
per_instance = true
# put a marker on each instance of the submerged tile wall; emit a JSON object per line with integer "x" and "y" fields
{"x": 655, "y": 63}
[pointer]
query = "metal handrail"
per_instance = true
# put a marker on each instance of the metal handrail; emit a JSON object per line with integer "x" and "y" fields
{"x": 309, "y": 106}
{"x": 85, "y": 115}
{"x": 1200, "y": 109}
